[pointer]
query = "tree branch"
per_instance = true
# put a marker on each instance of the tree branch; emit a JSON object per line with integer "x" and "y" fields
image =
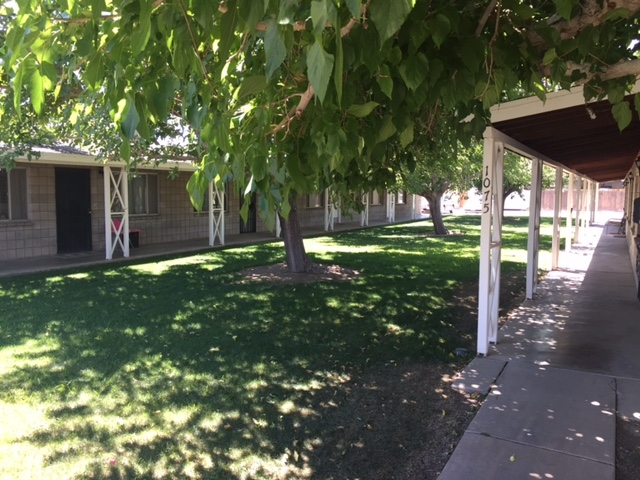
{"x": 194, "y": 44}
{"x": 592, "y": 14}
{"x": 621, "y": 69}
{"x": 306, "y": 97}
{"x": 485, "y": 17}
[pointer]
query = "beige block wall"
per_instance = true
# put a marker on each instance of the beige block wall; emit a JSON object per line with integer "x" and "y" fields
{"x": 176, "y": 220}
{"x": 37, "y": 235}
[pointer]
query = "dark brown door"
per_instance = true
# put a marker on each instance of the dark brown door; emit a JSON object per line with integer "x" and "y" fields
{"x": 73, "y": 210}
{"x": 250, "y": 225}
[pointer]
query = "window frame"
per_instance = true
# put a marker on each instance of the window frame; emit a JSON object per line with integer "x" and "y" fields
{"x": 11, "y": 210}
{"x": 319, "y": 200}
{"x": 146, "y": 176}
{"x": 401, "y": 194}
{"x": 380, "y": 199}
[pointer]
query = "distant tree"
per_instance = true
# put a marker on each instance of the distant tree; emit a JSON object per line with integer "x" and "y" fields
{"x": 441, "y": 164}
{"x": 517, "y": 176}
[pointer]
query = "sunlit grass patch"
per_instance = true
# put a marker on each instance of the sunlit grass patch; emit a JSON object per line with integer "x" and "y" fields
{"x": 175, "y": 368}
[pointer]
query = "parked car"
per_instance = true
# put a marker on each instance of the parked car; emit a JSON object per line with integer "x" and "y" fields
{"x": 447, "y": 204}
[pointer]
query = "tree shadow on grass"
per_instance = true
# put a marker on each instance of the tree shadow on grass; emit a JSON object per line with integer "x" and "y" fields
{"x": 181, "y": 369}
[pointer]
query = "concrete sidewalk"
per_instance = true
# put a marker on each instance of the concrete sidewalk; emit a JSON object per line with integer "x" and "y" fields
{"x": 564, "y": 366}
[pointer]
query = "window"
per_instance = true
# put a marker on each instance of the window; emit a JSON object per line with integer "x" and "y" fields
{"x": 13, "y": 194}
{"x": 376, "y": 198}
{"x": 315, "y": 200}
{"x": 143, "y": 194}
{"x": 401, "y": 197}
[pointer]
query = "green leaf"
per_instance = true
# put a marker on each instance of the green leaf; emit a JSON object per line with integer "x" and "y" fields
{"x": 615, "y": 92}
{"x": 389, "y": 15}
{"x": 338, "y": 69}
{"x": 414, "y": 71}
{"x": 564, "y": 7}
{"x": 384, "y": 80}
{"x": 406, "y": 137}
{"x": 440, "y": 27}
{"x": 197, "y": 188}
{"x": 288, "y": 9}
{"x": 549, "y": 56}
{"x": 473, "y": 54}
{"x": 558, "y": 71}
{"x": 141, "y": 34}
{"x": 251, "y": 12}
{"x": 354, "y": 7}
{"x": 127, "y": 117}
{"x": 162, "y": 92}
{"x": 622, "y": 113}
{"x": 143, "y": 126}
{"x": 221, "y": 132}
{"x": 94, "y": 73}
{"x": 363, "y": 110}
{"x": 228, "y": 24}
{"x": 616, "y": 13}
{"x": 319, "y": 67}
{"x": 387, "y": 130}
{"x": 251, "y": 86}
{"x": 36, "y": 91}
{"x": 125, "y": 150}
{"x": 274, "y": 47}
{"x": 319, "y": 15}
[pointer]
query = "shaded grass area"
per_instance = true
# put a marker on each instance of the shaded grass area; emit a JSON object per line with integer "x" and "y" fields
{"x": 180, "y": 368}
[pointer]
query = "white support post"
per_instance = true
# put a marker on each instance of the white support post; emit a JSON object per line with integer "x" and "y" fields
{"x": 594, "y": 202}
{"x": 364, "y": 216}
{"x": 278, "y": 226}
{"x": 569, "y": 215}
{"x": 216, "y": 214}
{"x": 108, "y": 238}
{"x": 490, "y": 243}
{"x": 116, "y": 202}
{"x": 413, "y": 207}
{"x": 124, "y": 181}
{"x": 391, "y": 207}
{"x": 557, "y": 205}
{"x": 533, "y": 240}
{"x": 578, "y": 211}
{"x": 329, "y": 211}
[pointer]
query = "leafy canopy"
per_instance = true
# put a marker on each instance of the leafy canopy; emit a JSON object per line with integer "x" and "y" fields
{"x": 291, "y": 96}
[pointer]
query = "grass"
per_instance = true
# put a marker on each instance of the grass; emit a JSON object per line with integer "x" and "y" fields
{"x": 179, "y": 368}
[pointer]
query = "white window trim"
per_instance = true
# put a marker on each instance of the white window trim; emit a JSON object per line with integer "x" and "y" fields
{"x": 147, "y": 213}
{"x": 319, "y": 200}
{"x": 9, "y": 196}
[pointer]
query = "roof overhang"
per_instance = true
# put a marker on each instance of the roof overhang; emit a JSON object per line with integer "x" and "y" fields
{"x": 50, "y": 157}
{"x": 565, "y": 130}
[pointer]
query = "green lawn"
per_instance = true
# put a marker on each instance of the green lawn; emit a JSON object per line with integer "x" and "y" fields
{"x": 181, "y": 369}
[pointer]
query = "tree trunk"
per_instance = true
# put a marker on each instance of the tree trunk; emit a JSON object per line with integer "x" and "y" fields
{"x": 297, "y": 260}
{"x": 435, "y": 208}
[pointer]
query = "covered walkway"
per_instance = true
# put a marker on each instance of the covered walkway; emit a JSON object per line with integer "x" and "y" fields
{"x": 65, "y": 261}
{"x": 565, "y": 366}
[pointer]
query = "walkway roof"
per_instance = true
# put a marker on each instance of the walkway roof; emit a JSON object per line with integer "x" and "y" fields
{"x": 582, "y": 137}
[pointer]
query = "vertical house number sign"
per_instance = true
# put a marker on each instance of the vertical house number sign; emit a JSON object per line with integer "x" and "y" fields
{"x": 486, "y": 192}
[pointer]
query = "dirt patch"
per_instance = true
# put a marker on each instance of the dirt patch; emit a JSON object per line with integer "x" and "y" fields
{"x": 392, "y": 422}
{"x": 279, "y": 273}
